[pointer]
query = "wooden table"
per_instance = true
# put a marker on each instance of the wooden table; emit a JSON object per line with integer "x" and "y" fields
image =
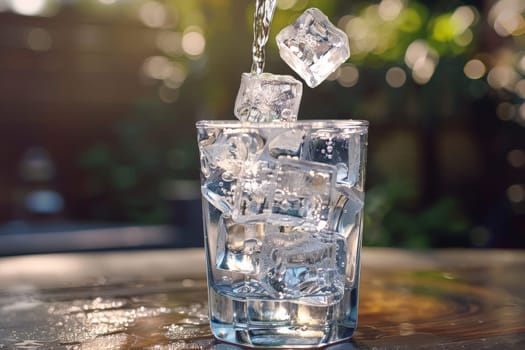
{"x": 449, "y": 299}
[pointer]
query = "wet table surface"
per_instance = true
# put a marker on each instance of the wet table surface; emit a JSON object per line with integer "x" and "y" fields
{"x": 450, "y": 299}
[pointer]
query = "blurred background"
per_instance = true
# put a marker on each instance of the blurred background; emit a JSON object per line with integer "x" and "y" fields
{"x": 98, "y": 101}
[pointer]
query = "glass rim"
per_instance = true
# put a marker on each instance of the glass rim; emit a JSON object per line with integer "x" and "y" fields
{"x": 309, "y": 123}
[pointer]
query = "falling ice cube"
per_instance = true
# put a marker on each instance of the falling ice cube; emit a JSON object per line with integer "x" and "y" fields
{"x": 254, "y": 191}
{"x": 267, "y": 97}
{"x": 302, "y": 193}
{"x": 313, "y": 46}
{"x": 239, "y": 246}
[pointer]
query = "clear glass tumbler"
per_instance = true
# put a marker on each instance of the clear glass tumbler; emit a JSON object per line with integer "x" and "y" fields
{"x": 283, "y": 217}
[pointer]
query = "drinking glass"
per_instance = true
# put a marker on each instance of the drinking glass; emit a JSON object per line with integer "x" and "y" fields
{"x": 283, "y": 217}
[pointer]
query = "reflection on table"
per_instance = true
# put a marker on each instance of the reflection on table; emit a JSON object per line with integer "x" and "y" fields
{"x": 458, "y": 299}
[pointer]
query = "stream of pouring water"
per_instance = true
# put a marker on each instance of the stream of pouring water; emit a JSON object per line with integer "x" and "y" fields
{"x": 264, "y": 10}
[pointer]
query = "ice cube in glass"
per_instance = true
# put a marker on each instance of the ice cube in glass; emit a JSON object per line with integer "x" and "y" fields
{"x": 341, "y": 148}
{"x": 239, "y": 246}
{"x": 299, "y": 264}
{"x": 287, "y": 143}
{"x": 254, "y": 192}
{"x": 222, "y": 159}
{"x": 302, "y": 193}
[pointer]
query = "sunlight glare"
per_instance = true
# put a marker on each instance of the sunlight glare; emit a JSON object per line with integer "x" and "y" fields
{"x": 27, "y": 7}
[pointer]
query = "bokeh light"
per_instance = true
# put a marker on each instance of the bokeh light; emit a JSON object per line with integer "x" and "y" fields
{"x": 506, "y": 111}
{"x": 520, "y": 88}
{"x": 422, "y": 60}
{"x": 516, "y": 193}
{"x": 522, "y": 111}
{"x": 506, "y": 18}
{"x": 516, "y": 158}
{"x": 44, "y": 202}
{"x": 443, "y": 28}
{"x": 501, "y": 77}
{"x": 474, "y": 69}
{"x": 462, "y": 18}
{"x": 170, "y": 42}
{"x": 396, "y": 77}
{"x": 389, "y": 10}
{"x": 193, "y": 42}
{"x": 356, "y": 28}
{"x": 521, "y": 64}
{"x": 464, "y": 39}
{"x": 423, "y": 69}
{"x": 176, "y": 77}
{"x": 334, "y": 75}
{"x": 39, "y": 39}
{"x": 286, "y": 4}
{"x": 36, "y": 165}
{"x": 157, "y": 67}
{"x": 348, "y": 76}
{"x": 455, "y": 26}
{"x": 414, "y": 51}
{"x": 153, "y": 14}
{"x": 412, "y": 20}
{"x": 167, "y": 94}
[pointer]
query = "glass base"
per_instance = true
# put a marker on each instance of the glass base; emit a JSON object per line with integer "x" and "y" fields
{"x": 281, "y": 323}
{"x": 281, "y": 337}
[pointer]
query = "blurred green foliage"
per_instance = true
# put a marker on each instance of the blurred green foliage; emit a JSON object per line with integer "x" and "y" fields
{"x": 392, "y": 219}
{"x": 129, "y": 174}
{"x": 155, "y": 143}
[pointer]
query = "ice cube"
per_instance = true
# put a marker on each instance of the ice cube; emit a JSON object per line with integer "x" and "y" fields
{"x": 230, "y": 151}
{"x": 222, "y": 159}
{"x": 302, "y": 194}
{"x": 313, "y": 47}
{"x": 287, "y": 143}
{"x": 339, "y": 147}
{"x": 219, "y": 193}
{"x": 299, "y": 264}
{"x": 268, "y": 97}
{"x": 239, "y": 246}
{"x": 254, "y": 192}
